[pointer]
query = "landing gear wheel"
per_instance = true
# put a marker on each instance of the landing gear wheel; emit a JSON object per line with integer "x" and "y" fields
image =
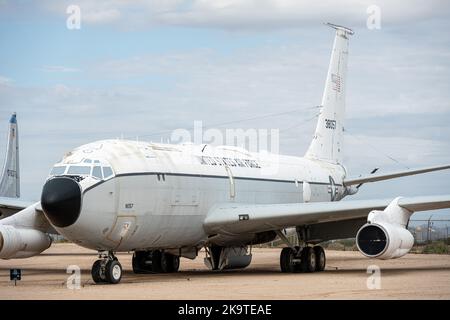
{"x": 284, "y": 260}
{"x": 287, "y": 260}
{"x": 320, "y": 258}
{"x": 308, "y": 260}
{"x": 169, "y": 263}
{"x": 156, "y": 261}
{"x": 140, "y": 262}
{"x": 97, "y": 273}
{"x": 176, "y": 264}
{"x": 113, "y": 271}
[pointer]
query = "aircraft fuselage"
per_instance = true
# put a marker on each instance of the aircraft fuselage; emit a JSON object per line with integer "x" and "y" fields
{"x": 160, "y": 194}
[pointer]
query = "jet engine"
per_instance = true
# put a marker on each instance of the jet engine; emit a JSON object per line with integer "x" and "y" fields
{"x": 22, "y": 243}
{"x": 385, "y": 235}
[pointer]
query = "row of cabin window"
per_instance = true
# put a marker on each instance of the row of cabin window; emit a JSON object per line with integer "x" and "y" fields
{"x": 97, "y": 171}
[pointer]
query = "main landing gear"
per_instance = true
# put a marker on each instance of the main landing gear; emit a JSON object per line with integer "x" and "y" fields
{"x": 155, "y": 261}
{"x": 301, "y": 259}
{"x": 107, "y": 269}
{"x": 306, "y": 259}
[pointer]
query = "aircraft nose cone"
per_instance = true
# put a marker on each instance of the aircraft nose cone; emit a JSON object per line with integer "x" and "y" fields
{"x": 61, "y": 201}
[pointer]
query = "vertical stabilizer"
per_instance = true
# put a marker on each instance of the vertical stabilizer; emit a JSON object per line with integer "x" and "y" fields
{"x": 9, "y": 179}
{"x": 327, "y": 143}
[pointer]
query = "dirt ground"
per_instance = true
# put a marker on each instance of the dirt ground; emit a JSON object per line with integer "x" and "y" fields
{"x": 414, "y": 276}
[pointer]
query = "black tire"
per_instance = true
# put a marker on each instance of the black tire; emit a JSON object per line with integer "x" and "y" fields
{"x": 169, "y": 263}
{"x": 176, "y": 264}
{"x": 297, "y": 265}
{"x": 308, "y": 260}
{"x": 139, "y": 262}
{"x": 286, "y": 263}
{"x": 283, "y": 264}
{"x": 156, "y": 261}
{"x": 113, "y": 272}
{"x": 321, "y": 259}
{"x": 96, "y": 272}
{"x": 136, "y": 262}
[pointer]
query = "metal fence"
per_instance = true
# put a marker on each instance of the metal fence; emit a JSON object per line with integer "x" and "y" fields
{"x": 426, "y": 231}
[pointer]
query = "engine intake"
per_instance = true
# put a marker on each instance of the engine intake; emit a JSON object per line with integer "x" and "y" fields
{"x": 385, "y": 235}
{"x": 22, "y": 243}
{"x": 372, "y": 240}
{"x": 384, "y": 241}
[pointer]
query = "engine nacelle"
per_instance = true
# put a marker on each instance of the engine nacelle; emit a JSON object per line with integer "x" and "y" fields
{"x": 384, "y": 241}
{"x": 22, "y": 243}
{"x": 385, "y": 235}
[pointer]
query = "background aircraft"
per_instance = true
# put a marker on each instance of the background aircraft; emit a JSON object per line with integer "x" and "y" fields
{"x": 10, "y": 174}
{"x": 10, "y": 178}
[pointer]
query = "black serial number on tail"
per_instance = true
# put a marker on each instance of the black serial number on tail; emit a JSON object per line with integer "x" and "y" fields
{"x": 330, "y": 124}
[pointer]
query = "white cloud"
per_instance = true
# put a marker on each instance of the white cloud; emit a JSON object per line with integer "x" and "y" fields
{"x": 364, "y": 151}
{"x": 59, "y": 69}
{"x": 249, "y": 14}
{"x": 399, "y": 81}
{"x": 4, "y": 81}
{"x": 100, "y": 16}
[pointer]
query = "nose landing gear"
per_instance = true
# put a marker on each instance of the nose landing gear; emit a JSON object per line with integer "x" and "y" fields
{"x": 107, "y": 269}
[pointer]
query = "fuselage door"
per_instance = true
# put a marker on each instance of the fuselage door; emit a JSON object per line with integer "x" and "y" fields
{"x": 306, "y": 191}
{"x": 122, "y": 229}
{"x": 231, "y": 181}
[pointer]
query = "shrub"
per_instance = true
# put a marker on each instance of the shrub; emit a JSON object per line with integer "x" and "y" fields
{"x": 436, "y": 248}
{"x": 336, "y": 246}
{"x": 348, "y": 242}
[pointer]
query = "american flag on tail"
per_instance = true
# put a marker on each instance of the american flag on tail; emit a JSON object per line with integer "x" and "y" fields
{"x": 336, "y": 80}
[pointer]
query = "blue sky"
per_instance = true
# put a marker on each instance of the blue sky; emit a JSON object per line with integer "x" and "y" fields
{"x": 141, "y": 67}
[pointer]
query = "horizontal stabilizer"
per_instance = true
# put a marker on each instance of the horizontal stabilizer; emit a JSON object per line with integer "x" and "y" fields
{"x": 391, "y": 175}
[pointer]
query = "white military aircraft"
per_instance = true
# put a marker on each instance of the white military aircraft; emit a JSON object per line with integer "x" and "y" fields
{"x": 9, "y": 178}
{"x": 165, "y": 201}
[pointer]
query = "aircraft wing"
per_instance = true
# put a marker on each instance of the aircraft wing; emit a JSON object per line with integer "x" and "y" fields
{"x": 10, "y": 206}
{"x": 391, "y": 175}
{"x": 25, "y": 214}
{"x": 234, "y": 219}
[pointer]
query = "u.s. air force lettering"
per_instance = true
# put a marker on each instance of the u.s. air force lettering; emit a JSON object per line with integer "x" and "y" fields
{"x": 231, "y": 162}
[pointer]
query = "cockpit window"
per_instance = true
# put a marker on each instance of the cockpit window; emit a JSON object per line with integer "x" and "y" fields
{"x": 98, "y": 169}
{"x": 107, "y": 172}
{"x": 56, "y": 171}
{"x": 84, "y": 170}
{"x": 97, "y": 172}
